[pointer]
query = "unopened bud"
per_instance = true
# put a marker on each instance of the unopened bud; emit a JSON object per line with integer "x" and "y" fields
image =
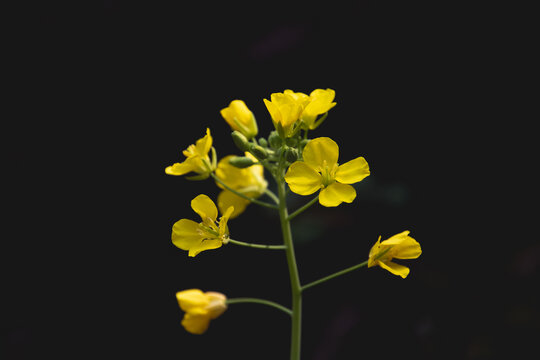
{"x": 275, "y": 140}
{"x": 241, "y": 162}
{"x": 263, "y": 142}
{"x": 291, "y": 155}
{"x": 259, "y": 152}
{"x": 240, "y": 140}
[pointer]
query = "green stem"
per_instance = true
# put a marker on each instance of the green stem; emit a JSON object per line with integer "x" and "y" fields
{"x": 258, "y": 246}
{"x": 259, "y": 301}
{"x": 334, "y": 275}
{"x": 296, "y": 289}
{"x": 253, "y": 200}
{"x": 303, "y": 208}
{"x": 272, "y": 195}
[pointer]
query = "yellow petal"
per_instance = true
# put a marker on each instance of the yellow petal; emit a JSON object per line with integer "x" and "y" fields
{"x": 352, "y": 171}
{"x": 227, "y": 199}
{"x": 204, "y": 245}
{"x": 191, "y": 299}
{"x": 217, "y": 303}
{"x": 403, "y": 246}
{"x": 180, "y": 168}
{"x": 202, "y": 146}
{"x": 336, "y": 193}
{"x": 205, "y": 207}
{"x": 196, "y": 322}
{"x": 321, "y": 152}
{"x": 186, "y": 234}
{"x": 223, "y": 229}
{"x": 375, "y": 249}
{"x": 321, "y": 102}
{"x": 395, "y": 269}
{"x": 273, "y": 110}
{"x": 303, "y": 179}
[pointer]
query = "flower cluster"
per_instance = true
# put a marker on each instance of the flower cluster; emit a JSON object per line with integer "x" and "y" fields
{"x": 307, "y": 166}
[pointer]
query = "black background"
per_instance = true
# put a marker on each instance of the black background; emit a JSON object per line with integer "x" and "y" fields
{"x": 90, "y": 269}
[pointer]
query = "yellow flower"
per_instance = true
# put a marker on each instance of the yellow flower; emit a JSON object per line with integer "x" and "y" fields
{"x": 399, "y": 246}
{"x": 320, "y": 102}
{"x": 320, "y": 170}
{"x": 248, "y": 181}
{"x": 200, "y": 308}
{"x": 240, "y": 118}
{"x": 208, "y": 234}
{"x": 285, "y": 109}
{"x": 197, "y": 159}
{"x": 288, "y": 107}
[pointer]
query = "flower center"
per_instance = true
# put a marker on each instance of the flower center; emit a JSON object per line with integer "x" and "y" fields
{"x": 328, "y": 173}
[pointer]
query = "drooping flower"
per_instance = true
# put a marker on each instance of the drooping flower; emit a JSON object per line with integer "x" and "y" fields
{"x": 320, "y": 170}
{"x": 200, "y": 308}
{"x": 240, "y": 118}
{"x": 197, "y": 159}
{"x": 249, "y": 181}
{"x": 399, "y": 246}
{"x": 320, "y": 102}
{"x": 208, "y": 234}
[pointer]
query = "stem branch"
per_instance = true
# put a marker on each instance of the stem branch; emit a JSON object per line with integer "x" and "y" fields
{"x": 258, "y": 246}
{"x": 259, "y": 301}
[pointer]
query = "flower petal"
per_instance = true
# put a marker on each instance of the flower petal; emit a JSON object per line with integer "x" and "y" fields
{"x": 227, "y": 199}
{"x": 223, "y": 229}
{"x": 336, "y": 193}
{"x": 180, "y": 168}
{"x": 395, "y": 269}
{"x": 205, "y": 207}
{"x": 352, "y": 171}
{"x": 186, "y": 234}
{"x": 320, "y": 152}
{"x": 303, "y": 179}
{"x": 192, "y": 298}
{"x": 203, "y": 145}
{"x": 204, "y": 245}
{"x": 196, "y": 322}
{"x": 403, "y": 246}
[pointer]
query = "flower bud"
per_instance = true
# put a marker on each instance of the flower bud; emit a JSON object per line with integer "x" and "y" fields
{"x": 263, "y": 142}
{"x": 259, "y": 152}
{"x": 275, "y": 140}
{"x": 240, "y": 140}
{"x": 291, "y": 155}
{"x": 241, "y": 162}
{"x": 240, "y": 118}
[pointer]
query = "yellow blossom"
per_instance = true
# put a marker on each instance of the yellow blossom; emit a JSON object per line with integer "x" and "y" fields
{"x": 208, "y": 234}
{"x": 240, "y": 118}
{"x": 288, "y": 107}
{"x": 200, "y": 308}
{"x": 285, "y": 109}
{"x": 320, "y": 102}
{"x": 197, "y": 159}
{"x": 249, "y": 181}
{"x": 320, "y": 170}
{"x": 399, "y": 246}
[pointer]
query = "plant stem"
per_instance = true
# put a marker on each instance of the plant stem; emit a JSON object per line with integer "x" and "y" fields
{"x": 339, "y": 273}
{"x": 303, "y": 208}
{"x": 259, "y": 301}
{"x": 272, "y": 195}
{"x": 253, "y": 200}
{"x": 258, "y": 246}
{"x": 296, "y": 289}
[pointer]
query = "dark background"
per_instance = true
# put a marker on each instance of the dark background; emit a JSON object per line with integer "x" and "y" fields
{"x": 90, "y": 269}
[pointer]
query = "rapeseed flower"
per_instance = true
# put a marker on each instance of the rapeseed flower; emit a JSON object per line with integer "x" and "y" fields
{"x": 200, "y": 308}
{"x": 249, "y": 181}
{"x": 288, "y": 107}
{"x": 240, "y": 118}
{"x": 208, "y": 234}
{"x": 197, "y": 159}
{"x": 399, "y": 246}
{"x": 320, "y": 170}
